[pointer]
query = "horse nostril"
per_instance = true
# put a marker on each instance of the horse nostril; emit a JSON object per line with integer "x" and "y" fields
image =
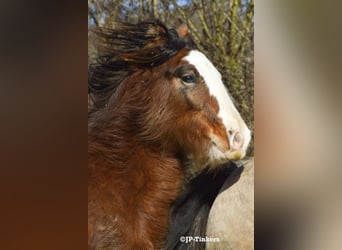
{"x": 236, "y": 139}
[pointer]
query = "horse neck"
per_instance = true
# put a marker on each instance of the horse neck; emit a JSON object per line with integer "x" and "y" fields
{"x": 139, "y": 113}
{"x": 130, "y": 141}
{"x": 150, "y": 179}
{"x": 126, "y": 153}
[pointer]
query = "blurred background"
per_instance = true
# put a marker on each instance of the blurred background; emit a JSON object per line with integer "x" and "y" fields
{"x": 223, "y": 30}
{"x": 297, "y": 121}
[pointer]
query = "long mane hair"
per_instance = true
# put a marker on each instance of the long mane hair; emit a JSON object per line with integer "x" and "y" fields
{"x": 126, "y": 49}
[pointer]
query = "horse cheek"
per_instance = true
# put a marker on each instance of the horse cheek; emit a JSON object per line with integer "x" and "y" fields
{"x": 194, "y": 136}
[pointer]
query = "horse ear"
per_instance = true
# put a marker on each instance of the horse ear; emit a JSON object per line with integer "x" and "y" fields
{"x": 184, "y": 33}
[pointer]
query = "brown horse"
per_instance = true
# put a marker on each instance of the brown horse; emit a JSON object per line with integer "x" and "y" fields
{"x": 160, "y": 113}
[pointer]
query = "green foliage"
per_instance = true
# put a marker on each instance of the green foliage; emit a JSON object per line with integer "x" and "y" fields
{"x": 222, "y": 29}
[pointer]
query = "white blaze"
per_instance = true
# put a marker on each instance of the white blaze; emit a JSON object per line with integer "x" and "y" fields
{"x": 227, "y": 111}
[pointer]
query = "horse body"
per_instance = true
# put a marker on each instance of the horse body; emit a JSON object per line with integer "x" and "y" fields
{"x": 132, "y": 179}
{"x": 156, "y": 120}
{"x": 231, "y": 218}
{"x": 128, "y": 209}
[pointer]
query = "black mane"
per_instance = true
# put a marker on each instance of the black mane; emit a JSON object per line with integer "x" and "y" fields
{"x": 126, "y": 49}
{"x": 190, "y": 211}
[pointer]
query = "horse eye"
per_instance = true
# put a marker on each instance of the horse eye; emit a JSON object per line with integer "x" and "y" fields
{"x": 188, "y": 78}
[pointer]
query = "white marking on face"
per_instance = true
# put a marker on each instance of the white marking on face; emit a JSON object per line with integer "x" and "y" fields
{"x": 227, "y": 112}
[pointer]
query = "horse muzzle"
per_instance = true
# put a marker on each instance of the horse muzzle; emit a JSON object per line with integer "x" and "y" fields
{"x": 238, "y": 143}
